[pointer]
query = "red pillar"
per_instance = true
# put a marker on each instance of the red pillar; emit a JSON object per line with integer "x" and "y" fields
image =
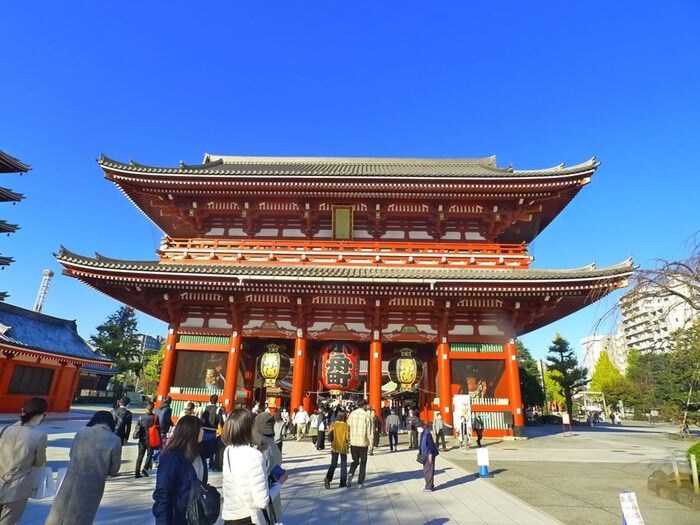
{"x": 73, "y": 386}
{"x": 56, "y": 404}
{"x": 375, "y": 377}
{"x": 513, "y": 375}
{"x": 234, "y": 357}
{"x": 444, "y": 382}
{"x": 309, "y": 400}
{"x": 298, "y": 374}
{"x": 6, "y": 372}
{"x": 167, "y": 372}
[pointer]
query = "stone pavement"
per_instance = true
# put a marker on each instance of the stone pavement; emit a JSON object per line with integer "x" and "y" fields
{"x": 392, "y": 493}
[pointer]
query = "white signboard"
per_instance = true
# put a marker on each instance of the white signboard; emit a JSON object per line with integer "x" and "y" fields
{"x": 565, "y": 419}
{"x": 630, "y": 509}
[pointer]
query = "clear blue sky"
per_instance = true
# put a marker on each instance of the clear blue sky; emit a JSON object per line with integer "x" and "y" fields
{"x": 535, "y": 83}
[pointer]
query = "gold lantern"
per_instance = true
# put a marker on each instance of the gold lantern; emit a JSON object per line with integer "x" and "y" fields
{"x": 273, "y": 365}
{"x": 405, "y": 370}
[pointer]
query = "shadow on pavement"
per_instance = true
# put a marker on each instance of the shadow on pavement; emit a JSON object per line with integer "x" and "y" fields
{"x": 457, "y": 481}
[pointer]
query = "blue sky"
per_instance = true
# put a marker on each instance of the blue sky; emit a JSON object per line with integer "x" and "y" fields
{"x": 534, "y": 83}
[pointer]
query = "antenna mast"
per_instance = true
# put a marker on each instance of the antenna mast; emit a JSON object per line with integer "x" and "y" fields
{"x": 43, "y": 288}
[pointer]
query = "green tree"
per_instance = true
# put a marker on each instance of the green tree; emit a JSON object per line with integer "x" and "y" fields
{"x": 570, "y": 377}
{"x": 555, "y": 394}
{"x": 150, "y": 374}
{"x": 606, "y": 378}
{"x": 118, "y": 338}
{"x": 530, "y": 385}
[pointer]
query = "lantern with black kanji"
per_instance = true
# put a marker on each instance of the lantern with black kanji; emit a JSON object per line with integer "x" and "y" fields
{"x": 340, "y": 370}
{"x": 274, "y": 365}
{"x": 406, "y": 370}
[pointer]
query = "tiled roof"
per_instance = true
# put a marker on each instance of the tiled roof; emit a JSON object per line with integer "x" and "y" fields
{"x": 6, "y": 227}
{"x": 57, "y": 337}
{"x": 468, "y": 168}
{"x": 345, "y": 272}
{"x": 5, "y": 261}
{"x": 7, "y": 195}
{"x": 9, "y": 164}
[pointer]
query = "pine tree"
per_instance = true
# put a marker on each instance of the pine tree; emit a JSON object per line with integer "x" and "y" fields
{"x": 570, "y": 376}
{"x": 530, "y": 385}
{"x": 118, "y": 338}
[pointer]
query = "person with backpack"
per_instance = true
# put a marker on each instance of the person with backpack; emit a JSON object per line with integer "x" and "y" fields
{"x": 165, "y": 420}
{"x": 212, "y": 421}
{"x": 147, "y": 432}
{"x": 122, "y": 420}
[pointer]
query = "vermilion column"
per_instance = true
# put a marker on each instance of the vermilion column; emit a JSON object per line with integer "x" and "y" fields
{"x": 375, "y": 377}
{"x": 168, "y": 371}
{"x": 298, "y": 375}
{"x": 444, "y": 382}
{"x": 513, "y": 375}
{"x": 234, "y": 357}
{"x": 56, "y": 404}
{"x": 73, "y": 386}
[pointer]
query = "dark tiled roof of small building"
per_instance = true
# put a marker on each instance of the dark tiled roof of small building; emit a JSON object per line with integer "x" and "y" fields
{"x": 43, "y": 333}
{"x": 346, "y": 271}
{"x": 9, "y": 164}
{"x": 249, "y": 166}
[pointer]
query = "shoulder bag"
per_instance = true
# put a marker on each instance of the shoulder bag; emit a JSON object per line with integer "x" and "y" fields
{"x": 154, "y": 433}
{"x": 204, "y": 505}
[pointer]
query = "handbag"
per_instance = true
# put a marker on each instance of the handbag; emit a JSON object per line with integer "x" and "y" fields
{"x": 154, "y": 434}
{"x": 420, "y": 459}
{"x": 205, "y": 504}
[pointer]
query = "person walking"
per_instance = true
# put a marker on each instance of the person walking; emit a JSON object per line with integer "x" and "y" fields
{"x": 322, "y": 424}
{"x": 393, "y": 423}
{"x": 22, "y": 448}
{"x": 313, "y": 427}
{"x": 246, "y": 492}
{"x": 339, "y": 436}
{"x": 122, "y": 419}
{"x": 361, "y": 437}
{"x": 279, "y": 429}
{"x": 429, "y": 451}
{"x": 181, "y": 466}
{"x": 479, "y": 429}
{"x": 376, "y": 431}
{"x": 165, "y": 420}
{"x": 95, "y": 455}
{"x": 411, "y": 425}
{"x": 142, "y": 433}
{"x": 264, "y": 436}
{"x": 439, "y": 429}
{"x": 285, "y": 426}
{"x": 212, "y": 419}
{"x": 301, "y": 419}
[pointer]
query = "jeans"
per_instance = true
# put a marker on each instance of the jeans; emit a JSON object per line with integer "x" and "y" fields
{"x": 393, "y": 440}
{"x": 343, "y": 468}
{"x": 144, "y": 449}
{"x": 321, "y": 440}
{"x": 359, "y": 456}
{"x": 210, "y": 435}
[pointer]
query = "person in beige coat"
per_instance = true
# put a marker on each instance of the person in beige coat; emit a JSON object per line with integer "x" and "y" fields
{"x": 96, "y": 454}
{"x": 22, "y": 448}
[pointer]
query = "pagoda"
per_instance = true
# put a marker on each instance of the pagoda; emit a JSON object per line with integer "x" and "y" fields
{"x": 9, "y": 164}
{"x": 421, "y": 259}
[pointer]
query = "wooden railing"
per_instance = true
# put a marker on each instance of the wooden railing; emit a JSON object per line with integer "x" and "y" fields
{"x": 284, "y": 251}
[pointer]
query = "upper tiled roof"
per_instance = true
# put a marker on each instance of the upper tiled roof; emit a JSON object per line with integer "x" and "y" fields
{"x": 7, "y": 195}
{"x": 476, "y": 168}
{"x": 49, "y": 335}
{"x": 345, "y": 272}
{"x": 9, "y": 164}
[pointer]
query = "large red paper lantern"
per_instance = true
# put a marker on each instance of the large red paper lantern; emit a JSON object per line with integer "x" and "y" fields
{"x": 340, "y": 366}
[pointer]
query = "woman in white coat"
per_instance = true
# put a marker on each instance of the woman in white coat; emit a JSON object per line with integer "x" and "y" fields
{"x": 245, "y": 491}
{"x": 22, "y": 448}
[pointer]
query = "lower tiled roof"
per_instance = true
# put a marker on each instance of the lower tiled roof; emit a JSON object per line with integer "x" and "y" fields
{"x": 56, "y": 337}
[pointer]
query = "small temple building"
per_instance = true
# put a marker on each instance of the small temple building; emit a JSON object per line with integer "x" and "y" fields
{"x": 44, "y": 356}
{"x": 301, "y": 279}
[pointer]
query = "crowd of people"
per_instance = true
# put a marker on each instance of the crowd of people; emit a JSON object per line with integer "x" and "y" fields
{"x": 246, "y": 445}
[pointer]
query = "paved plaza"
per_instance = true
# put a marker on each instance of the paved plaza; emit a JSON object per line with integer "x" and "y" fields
{"x": 392, "y": 494}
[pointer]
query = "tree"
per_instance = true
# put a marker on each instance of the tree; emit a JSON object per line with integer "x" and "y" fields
{"x": 553, "y": 388}
{"x": 118, "y": 338}
{"x": 570, "y": 377}
{"x": 150, "y": 374}
{"x": 530, "y": 386}
{"x": 606, "y": 378}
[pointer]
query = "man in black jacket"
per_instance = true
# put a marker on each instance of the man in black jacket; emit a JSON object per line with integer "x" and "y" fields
{"x": 165, "y": 420}
{"x": 212, "y": 419}
{"x": 122, "y": 419}
{"x": 141, "y": 432}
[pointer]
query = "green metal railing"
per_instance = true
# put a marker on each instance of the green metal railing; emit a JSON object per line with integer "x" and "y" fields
{"x": 476, "y": 347}
{"x": 203, "y": 339}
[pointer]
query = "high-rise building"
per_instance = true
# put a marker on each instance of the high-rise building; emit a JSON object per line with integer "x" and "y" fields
{"x": 649, "y": 318}
{"x": 592, "y": 347}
